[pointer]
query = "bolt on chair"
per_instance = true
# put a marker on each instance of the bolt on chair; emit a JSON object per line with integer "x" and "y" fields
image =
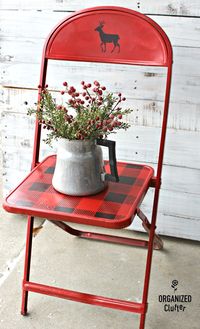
{"x": 127, "y": 38}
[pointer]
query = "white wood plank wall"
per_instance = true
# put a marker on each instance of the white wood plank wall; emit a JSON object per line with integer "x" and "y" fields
{"x": 24, "y": 26}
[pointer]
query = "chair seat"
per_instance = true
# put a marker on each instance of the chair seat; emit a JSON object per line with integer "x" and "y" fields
{"x": 115, "y": 207}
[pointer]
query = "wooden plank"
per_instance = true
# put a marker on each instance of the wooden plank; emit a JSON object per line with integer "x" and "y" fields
{"x": 166, "y": 7}
{"x": 175, "y": 203}
{"x": 180, "y": 194}
{"x": 181, "y": 146}
{"x": 179, "y": 226}
{"x": 134, "y": 80}
{"x": 178, "y": 214}
{"x": 16, "y": 24}
{"x": 66, "y": 5}
{"x": 181, "y": 31}
{"x": 21, "y": 52}
{"x": 170, "y": 222}
{"x": 17, "y": 162}
{"x": 146, "y": 113}
{"x": 28, "y": 51}
{"x": 173, "y": 225}
{"x": 171, "y": 7}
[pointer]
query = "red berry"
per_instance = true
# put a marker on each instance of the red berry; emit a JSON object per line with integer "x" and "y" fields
{"x": 96, "y": 83}
{"x": 110, "y": 128}
{"x": 62, "y": 92}
{"x": 119, "y": 94}
{"x": 46, "y": 86}
{"x": 84, "y": 94}
{"x": 89, "y": 85}
{"x": 65, "y": 84}
{"x": 72, "y": 89}
{"x": 82, "y": 82}
{"x": 111, "y": 116}
{"x": 39, "y": 86}
{"x": 124, "y": 98}
{"x": 103, "y": 88}
{"x": 119, "y": 116}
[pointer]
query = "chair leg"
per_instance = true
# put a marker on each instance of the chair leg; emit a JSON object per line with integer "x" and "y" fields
{"x": 151, "y": 230}
{"x": 142, "y": 321}
{"x": 147, "y": 273}
{"x": 101, "y": 237}
{"x": 157, "y": 243}
{"x": 27, "y": 264}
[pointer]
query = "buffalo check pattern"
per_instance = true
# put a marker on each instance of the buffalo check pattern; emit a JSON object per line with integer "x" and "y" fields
{"x": 117, "y": 203}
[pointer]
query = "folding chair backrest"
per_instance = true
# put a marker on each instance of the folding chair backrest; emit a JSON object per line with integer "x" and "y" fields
{"x": 109, "y": 35}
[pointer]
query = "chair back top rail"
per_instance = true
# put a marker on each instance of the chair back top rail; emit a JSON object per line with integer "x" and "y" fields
{"x": 109, "y": 35}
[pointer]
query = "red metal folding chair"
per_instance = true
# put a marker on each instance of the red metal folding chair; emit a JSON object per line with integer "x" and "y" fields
{"x": 140, "y": 41}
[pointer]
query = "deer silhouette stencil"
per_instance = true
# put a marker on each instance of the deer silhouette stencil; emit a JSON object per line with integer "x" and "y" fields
{"x": 107, "y": 38}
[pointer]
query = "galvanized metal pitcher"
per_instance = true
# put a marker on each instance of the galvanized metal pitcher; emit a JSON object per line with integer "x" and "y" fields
{"x": 80, "y": 167}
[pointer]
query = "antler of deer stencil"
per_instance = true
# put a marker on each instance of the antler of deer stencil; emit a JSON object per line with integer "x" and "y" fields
{"x": 107, "y": 38}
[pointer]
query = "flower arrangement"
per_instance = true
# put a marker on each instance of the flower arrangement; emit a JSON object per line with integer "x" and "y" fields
{"x": 89, "y": 114}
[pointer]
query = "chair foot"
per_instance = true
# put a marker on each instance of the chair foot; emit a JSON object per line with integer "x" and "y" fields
{"x": 24, "y": 303}
{"x": 142, "y": 321}
{"x": 24, "y": 312}
{"x": 27, "y": 264}
{"x": 158, "y": 242}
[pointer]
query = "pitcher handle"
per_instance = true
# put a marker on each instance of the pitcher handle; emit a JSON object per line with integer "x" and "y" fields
{"x": 114, "y": 177}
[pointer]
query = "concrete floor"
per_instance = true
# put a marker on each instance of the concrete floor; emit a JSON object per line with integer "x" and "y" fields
{"x": 94, "y": 267}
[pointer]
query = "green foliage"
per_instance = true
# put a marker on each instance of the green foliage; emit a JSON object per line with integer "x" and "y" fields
{"x": 93, "y": 113}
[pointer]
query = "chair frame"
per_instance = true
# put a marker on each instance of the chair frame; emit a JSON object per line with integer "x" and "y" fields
{"x": 154, "y": 240}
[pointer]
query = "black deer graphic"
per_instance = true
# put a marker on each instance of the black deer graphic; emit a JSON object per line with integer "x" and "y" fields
{"x": 107, "y": 38}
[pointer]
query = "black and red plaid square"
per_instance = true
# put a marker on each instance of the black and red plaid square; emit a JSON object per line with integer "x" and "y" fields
{"x": 117, "y": 203}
